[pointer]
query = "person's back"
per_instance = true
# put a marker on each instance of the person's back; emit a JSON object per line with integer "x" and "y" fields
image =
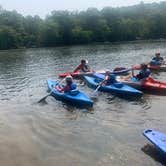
{"x": 144, "y": 73}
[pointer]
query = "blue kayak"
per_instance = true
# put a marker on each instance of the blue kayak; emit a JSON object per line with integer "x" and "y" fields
{"x": 74, "y": 97}
{"x": 117, "y": 89}
{"x": 157, "y": 138}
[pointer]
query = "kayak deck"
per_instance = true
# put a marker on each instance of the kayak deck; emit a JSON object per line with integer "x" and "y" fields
{"x": 157, "y": 138}
{"x": 117, "y": 89}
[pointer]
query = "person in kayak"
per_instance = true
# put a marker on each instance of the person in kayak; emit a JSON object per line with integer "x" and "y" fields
{"x": 144, "y": 72}
{"x": 70, "y": 85}
{"x": 109, "y": 79}
{"x": 157, "y": 60}
{"x": 83, "y": 66}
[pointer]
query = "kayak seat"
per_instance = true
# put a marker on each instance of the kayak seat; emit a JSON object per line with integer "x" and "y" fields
{"x": 118, "y": 85}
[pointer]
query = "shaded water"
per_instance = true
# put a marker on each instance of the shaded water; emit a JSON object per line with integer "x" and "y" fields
{"x": 53, "y": 133}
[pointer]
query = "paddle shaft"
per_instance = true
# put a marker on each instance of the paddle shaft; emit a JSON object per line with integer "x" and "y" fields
{"x": 42, "y": 99}
{"x": 97, "y": 88}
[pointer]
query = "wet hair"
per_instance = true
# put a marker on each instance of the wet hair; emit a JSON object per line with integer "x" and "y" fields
{"x": 83, "y": 61}
{"x": 69, "y": 79}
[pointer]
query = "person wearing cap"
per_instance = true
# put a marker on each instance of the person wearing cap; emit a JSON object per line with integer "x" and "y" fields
{"x": 144, "y": 72}
{"x": 83, "y": 66}
{"x": 157, "y": 60}
{"x": 70, "y": 85}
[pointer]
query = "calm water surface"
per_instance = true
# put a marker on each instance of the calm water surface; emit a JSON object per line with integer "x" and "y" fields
{"x": 53, "y": 133}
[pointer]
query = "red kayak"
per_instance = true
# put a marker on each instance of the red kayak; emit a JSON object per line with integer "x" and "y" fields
{"x": 77, "y": 74}
{"x": 151, "y": 67}
{"x": 155, "y": 86}
{"x": 118, "y": 71}
{"x": 148, "y": 85}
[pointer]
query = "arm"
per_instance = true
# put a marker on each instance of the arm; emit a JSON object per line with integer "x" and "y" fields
{"x": 77, "y": 68}
{"x": 62, "y": 89}
{"x": 104, "y": 81}
{"x": 164, "y": 62}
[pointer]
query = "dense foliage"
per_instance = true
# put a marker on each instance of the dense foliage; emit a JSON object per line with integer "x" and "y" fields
{"x": 143, "y": 21}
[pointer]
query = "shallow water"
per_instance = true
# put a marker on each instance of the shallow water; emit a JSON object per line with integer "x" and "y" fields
{"x": 53, "y": 133}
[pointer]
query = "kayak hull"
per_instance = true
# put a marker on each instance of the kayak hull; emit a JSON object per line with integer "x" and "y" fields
{"x": 117, "y": 89}
{"x": 160, "y": 68}
{"x": 148, "y": 85}
{"x": 156, "y": 138}
{"x": 76, "y": 74}
{"x": 76, "y": 99}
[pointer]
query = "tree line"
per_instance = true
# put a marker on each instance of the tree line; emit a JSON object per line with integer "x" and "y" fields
{"x": 142, "y": 21}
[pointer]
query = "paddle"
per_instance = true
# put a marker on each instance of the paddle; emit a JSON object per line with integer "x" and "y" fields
{"x": 42, "y": 99}
{"x": 94, "y": 93}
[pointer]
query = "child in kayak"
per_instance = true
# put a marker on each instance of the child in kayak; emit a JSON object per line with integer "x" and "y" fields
{"x": 144, "y": 72}
{"x": 109, "y": 79}
{"x": 83, "y": 67}
{"x": 70, "y": 85}
{"x": 157, "y": 60}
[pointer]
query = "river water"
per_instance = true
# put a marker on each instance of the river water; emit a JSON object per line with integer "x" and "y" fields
{"x": 53, "y": 133}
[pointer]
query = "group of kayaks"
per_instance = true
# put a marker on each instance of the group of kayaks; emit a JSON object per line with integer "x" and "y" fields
{"x": 78, "y": 98}
{"x": 125, "y": 87}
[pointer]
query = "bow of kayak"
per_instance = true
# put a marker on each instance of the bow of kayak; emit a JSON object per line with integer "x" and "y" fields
{"x": 157, "y": 138}
{"x": 148, "y": 85}
{"x": 154, "y": 86}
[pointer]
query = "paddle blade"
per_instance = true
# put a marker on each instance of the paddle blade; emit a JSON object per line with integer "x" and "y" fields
{"x": 95, "y": 93}
{"x": 42, "y": 99}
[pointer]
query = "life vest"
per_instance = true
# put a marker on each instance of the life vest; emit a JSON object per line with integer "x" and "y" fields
{"x": 143, "y": 74}
{"x": 156, "y": 61}
{"x": 70, "y": 87}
